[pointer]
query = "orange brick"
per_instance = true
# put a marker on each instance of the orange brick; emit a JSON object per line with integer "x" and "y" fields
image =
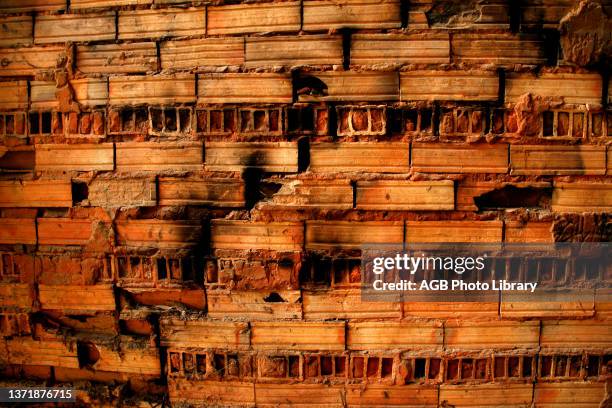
{"x": 17, "y": 231}
{"x": 78, "y": 157}
{"x": 252, "y": 305}
{"x": 352, "y": 234}
{"x": 373, "y": 49}
{"x": 489, "y": 395}
{"x": 54, "y": 28}
{"x": 202, "y": 53}
{"x": 17, "y": 296}
{"x": 491, "y": 334}
{"x": 380, "y": 395}
{"x": 15, "y": 30}
{"x": 279, "y": 157}
{"x": 394, "y": 335}
{"x": 293, "y": 51}
{"x": 346, "y": 304}
{"x": 237, "y": 234}
{"x": 14, "y": 95}
{"x": 309, "y": 194}
{"x": 530, "y": 232}
{"x": 572, "y": 88}
{"x": 544, "y": 13}
{"x": 245, "y": 88}
{"x": 359, "y": 14}
{"x": 456, "y": 158}
{"x": 74, "y": 299}
{"x": 299, "y": 394}
{"x": 575, "y": 334}
{"x": 297, "y": 336}
{"x": 253, "y": 18}
{"x": 521, "y": 306}
{"x": 449, "y": 85}
{"x": 26, "y": 351}
{"x": 569, "y": 394}
{"x": 405, "y": 195}
{"x": 140, "y": 192}
{"x": 64, "y": 231}
{"x": 216, "y": 192}
{"x": 582, "y": 197}
{"x": 454, "y": 231}
{"x": 171, "y": 297}
{"x": 451, "y": 310}
{"x": 156, "y": 23}
{"x": 163, "y": 156}
{"x": 87, "y": 91}
{"x": 501, "y": 49}
{"x": 218, "y": 334}
{"x": 557, "y": 160}
{"x": 158, "y": 233}
{"x": 117, "y": 58}
{"x": 158, "y": 89}
{"x": 134, "y": 356}
{"x": 39, "y": 193}
{"x": 368, "y": 86}
{"x": 381, "y": 157}
{"x": 24, "y": 6}
{"x": 202, "y": 393}
{"x": 28, "y": 61}
{"x": 86, "y": 4}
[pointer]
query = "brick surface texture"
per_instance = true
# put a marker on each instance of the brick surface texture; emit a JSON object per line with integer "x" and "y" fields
{"x": 185, "y": 187}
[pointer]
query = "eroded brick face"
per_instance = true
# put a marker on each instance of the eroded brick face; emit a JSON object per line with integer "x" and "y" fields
{"x": 185, "y": 189}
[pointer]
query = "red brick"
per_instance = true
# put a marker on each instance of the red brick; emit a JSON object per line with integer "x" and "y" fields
{"x": 346, "y": 304}
{"x": 28, "y": 61}
{"x": 500, "y": 49}
{"x": 24, "y": 6}
{"x": 493, "y": 395}
{"x": 252, "y": 305}
{"x": 40, "y": 193}
{"x": 221, "y": 393}
{"x": 582, "y": 197}
{"x": 491, "y": 335}
{"x": 17, "y": 296}
{"x": 26, "y": 351}
{"x": 215, "y": 334}
{"x": 311, "y": 395}
{"x": 394, "y": 335}
{"x": 312, "y": 194}
{"x": 529, "y": 232}
{"x": 140, "y": 192}
{"x": 569, "y": 394}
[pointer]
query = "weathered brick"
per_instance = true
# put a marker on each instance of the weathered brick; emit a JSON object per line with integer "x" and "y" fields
{"x": 156, "y": 23}
{"x": 393, "y": 335}
{"x": 405, "y": 195}
{"x": 573, "y": 334}
{"x": 158, "y": 233}
{"x": 207, "y": 333}
{"x": 544, "y": 13}
{"x": 491, "y": 335}
{"x": 134, "y": 356}
{"x": 304, "y": 194}
{"x": 359, "y": 14}
{"x": 297, "y": 336}
{"x": 47, "y": 352}
{"x": 382, "y": 395}
{"x": 15, "y": 30}
{"x": 39, "y": 193}
{"x": 55, "y": 28}
{"x": 279, "y": 157}
{"x": 15, "y": 124}
{"x": 87, "y": 4}
{"x": 569, "y": 394}
{"x": 312, "y": 395}
{"x": 361, "y": 120}
{"x": 352, "y": 234}
{"x": 571, "y": 88}
{"x": 73, "y": 298}
{"x": 449, "y": 85}
{"x": 454, "y": 231}
{"x": 222, "y": 393}
{"x": 582, "y": 197}
{"x": 16, "y": 295}
{"x": 557, "y": 160}
{"x": 86, "y": 91}
{"x": 450, "y": 310}
{"x": 14, "y": 95}
{"x": 253, "y": 305}
{"x": 237, "y": 234}
{"x": 293, "y": 51}
{"x": 202, "y": 53}
{"x": 28, "y": 61}
{"x": 77, "y": 157}
{"x": 491, "y": 14}
{"x": 500, "y": 49}
{"x": 373, "y": 49}
{"x": 216, "y": 192}
{"x": 346, "y": 304}
{"x": 456, "y": 158}
{"x": 245, "y": 88}
{"x": 64, "y": 231}
{"x": 159, "y": 89}
{"x": 24, "y": 6}
{"x": 17, "y": 231}
{"x": 530, "y": 232}
{"x": 489, "y": 395}
{"x": 127, "y": 58}
{"x": 381, "y": 157}
{"x": 253, "y": 18}
{"x": 164, "y": 156}
{"x": 137, "y": 192}
{"x": 350, "y": 86}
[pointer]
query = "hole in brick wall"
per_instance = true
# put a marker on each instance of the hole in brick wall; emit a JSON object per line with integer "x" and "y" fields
{"x": 232, "y": 367}
{"x": 157, "y": 120}
{"x": 463, "y": 121}
{"x": 87, "y": 354}
{"x": 513, "y": 367}
{"x": 434, "y": 368}
{"x": 358, "y": 367}
{"x": 127, "y": 120}
{"x": 46, "y": 122}
{"x": 419, "y": 368}
{"x": 359, "y": 119}
{"x": 141, "y": 121}
{"x": 293, "y": 119}
{"x": 245, "y": 120}
{"x": 312, "y": 366}
{"x": 303, "y": 154}
{"x": 122, "y": 266}
{"x": 274, "y": 116}
{"x": 563, "y": 123}
{"x": 201, "y": 121}
{"x": 577, "y": 124}
{"x": 548, "y": 119}
{"x": 85, "y": 124}
{"x": 327, "y": 365}
{"x": 216, "y": 121}
{"x": 162, "y": 272}
{"x": 147, "y": 268}
{"x": 452, "y": 369}
{"x": 527, "y": 362}
{"x": 372, "y": 368}
{"x": 560, "y": 366}
{"x": 170, "y": 121}
{"x": 274, "y": 298}
{"x": 18, "y": 160}
{"x": 188, "y": 363}
{"x": 386, "y": 367}
{"x": 340, "y": 365}
{"x": 219, "y": 363}
{"x": 467, "y": 368}
{"x": 259, "y": 120}
{"x": 511, "y": 196}
{"x": 174, "y": 269}
{"x": 185, "y": 120}
{"x": 294, "y": 366}
{"x": 212, "y": 274}
{"x": 175, "y": 362}
{"x": 593, "y": 366}
{"x": 575, "y": 363}
{"x": 480, "y": 369}
{"x": 187, "y": 269}
{"x": 597, "y": 124}
{"x": 229, "y": 121}
{"x": 201, "y": 363}
{"x": 546, "y": 366}
{"x": 310, "y": 85}
{"x": 80, "y": 192}
{"x": 34, "y": 124}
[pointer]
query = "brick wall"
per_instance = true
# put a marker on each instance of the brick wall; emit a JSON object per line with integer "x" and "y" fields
{"x": 185, "y": 186}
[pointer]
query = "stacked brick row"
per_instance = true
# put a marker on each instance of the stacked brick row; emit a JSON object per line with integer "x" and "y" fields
{"x": 185, "y": 189}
